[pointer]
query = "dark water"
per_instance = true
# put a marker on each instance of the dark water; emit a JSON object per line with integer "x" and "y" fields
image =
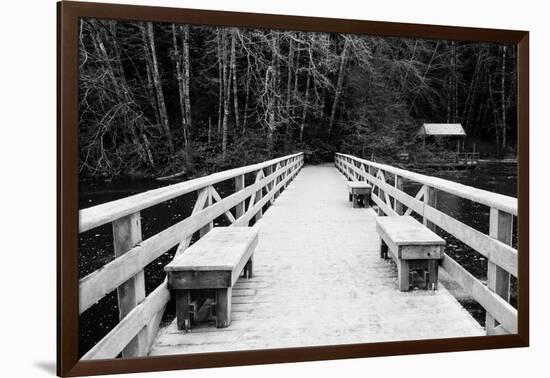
{"x": 96, "y": 246}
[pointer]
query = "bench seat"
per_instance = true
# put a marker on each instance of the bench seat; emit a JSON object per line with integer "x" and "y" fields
{"x": 359, "y": 193}
{"x": 412, "y": 246}
{"x": 214, "y": 262}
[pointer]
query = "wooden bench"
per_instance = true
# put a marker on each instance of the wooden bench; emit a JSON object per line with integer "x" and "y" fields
{"x": 214, "y": 262}
{"x": 413, "y": 247}
{"x": 359, "y": 193}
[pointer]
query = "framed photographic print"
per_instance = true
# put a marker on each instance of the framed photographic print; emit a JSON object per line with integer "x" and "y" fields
{"x": 240, "y": 188}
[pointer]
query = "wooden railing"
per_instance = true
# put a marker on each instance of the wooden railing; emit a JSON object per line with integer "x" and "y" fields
{"x": 140, "y": 315}
{"x": 502, "y": 258}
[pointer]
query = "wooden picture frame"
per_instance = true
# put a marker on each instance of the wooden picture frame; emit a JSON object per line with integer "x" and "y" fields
{"x": 68, "y": 363}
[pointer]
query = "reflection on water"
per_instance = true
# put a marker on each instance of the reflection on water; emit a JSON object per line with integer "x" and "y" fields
{"x": 96, "y": 246}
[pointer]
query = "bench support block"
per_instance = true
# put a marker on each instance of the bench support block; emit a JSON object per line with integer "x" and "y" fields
{"x": 223, "y": 307}
{"x": 403, "y": 275}
{"x": 248, "y": 269}
{"x": 183, "y": 298}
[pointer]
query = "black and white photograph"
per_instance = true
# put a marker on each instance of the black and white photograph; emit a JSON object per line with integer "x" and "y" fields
{"x": 253, "y": 188}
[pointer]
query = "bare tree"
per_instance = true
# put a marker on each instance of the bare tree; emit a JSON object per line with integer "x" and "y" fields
{"x": 339, "y": 85}
{"x": 150, "y": 39}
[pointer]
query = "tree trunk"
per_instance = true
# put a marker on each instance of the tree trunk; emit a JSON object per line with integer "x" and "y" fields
{"x": 186, "y": 78}
{"x": 247, "y": 94}
{"x": 304, "y": 113}
{"x": 503, "y": 97}
{"x": 181, "y": 85}
{"x": 158, "y": 88}
{"x": 455, "y": 79}
{"x": 289, "y": 77}
{"x": 220, "y": 79}
{"x": 339, "y": 86}
{"x": 226, "y": 85}
{"x": 234, "y": 71}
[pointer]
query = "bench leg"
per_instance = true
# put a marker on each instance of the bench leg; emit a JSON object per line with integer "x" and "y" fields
{"x": 433, "y": 272}
{"x": 403, "y": 275}
{"x": 248, "y": 268}
{"x": 383, "y": 250}
{"x": 183, "y": 297}
{"x": 223, "y": 307}
{"x": 350, "y": 197}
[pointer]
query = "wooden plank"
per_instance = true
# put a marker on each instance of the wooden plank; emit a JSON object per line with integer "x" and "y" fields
{"x": 98, "y": 215}
{"x": 498, "y": 279}
{"x": 259, "y": 195}
{"x": 494, "y": 304}
{"x": 501, "y": 254}
{"x": 490, "y": 199}
{"x": 382, "y": 205}
{"x": 358, "y": 185}
{"x": 222, "y": 249}
{"x": 430, "y": 200}
{"x": 126, "y": 235}
{"x": 96, "y": 285}
{"x": 405, "y": 230}
{"x": 418, "y": 252}
{"x": 216, "y": 197}
{"x": 199, "y": 279}
{"x": 398, "y": 186}
{"x": 115, "y": 341}
{"x": 418, "y": 201}
{"x": 239, "y": 185}
{"x": 202, "y": 197}
{"x": 209, "y": 225}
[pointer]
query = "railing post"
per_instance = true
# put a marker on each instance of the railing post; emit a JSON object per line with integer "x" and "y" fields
{"x": 203, "y": 231}
{"x": 430, "y": 199}
{"x": 380, "y": 194}
{"x": 239, "y": 185}
{"x": 398, "y": 186}
{"x": 126, "y": 235}
{"x": 498, "y": 280}
{"x": 260, "y": 213}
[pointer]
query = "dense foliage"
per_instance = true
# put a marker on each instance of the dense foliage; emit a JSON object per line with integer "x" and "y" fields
{"x": 158, "y": 99}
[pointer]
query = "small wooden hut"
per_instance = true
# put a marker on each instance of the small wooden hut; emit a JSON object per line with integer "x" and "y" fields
{"x": 439, "y": 130}
{"x": 452, "y": 132}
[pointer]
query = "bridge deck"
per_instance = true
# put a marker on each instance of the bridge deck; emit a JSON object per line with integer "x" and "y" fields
{"x": 319, "y": 281}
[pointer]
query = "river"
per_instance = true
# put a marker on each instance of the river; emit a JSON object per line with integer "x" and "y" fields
{"x": 96, "y": 246}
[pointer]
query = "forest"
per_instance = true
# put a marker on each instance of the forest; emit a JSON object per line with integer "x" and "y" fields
{"x": 164, "y": 99}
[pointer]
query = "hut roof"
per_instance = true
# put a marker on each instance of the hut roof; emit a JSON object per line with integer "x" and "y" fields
{"x": 442, "y": 129}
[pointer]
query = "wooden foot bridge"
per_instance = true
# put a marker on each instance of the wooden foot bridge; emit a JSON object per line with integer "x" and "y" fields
{"x": 318, "y": 275}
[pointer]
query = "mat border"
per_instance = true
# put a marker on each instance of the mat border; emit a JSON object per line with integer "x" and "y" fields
{"x": 68, "y": 14}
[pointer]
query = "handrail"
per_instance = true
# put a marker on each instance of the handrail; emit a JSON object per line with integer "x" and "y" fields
{"x": 96, "y": 216}
{"x": 490, "y": 199}
{"x": 140, "y": 315}
{"x": 496, "y": 247}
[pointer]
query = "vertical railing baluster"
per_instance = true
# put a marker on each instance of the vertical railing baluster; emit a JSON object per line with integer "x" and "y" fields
{"x": 126, "y": 235}
{"x": 430, "y": 199}
{"x": 203, "y": 231}
{"x": 239, "y": 185}
{"x": 498, "y": 279}
{"x": 259, "y": 195}
{"x": 399, "y": 186}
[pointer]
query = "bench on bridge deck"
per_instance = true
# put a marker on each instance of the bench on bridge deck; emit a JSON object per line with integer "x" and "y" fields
{"x": 359, "y": 193}
{"x": 413, "y": 247}
{"x": 214, "y": 262}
